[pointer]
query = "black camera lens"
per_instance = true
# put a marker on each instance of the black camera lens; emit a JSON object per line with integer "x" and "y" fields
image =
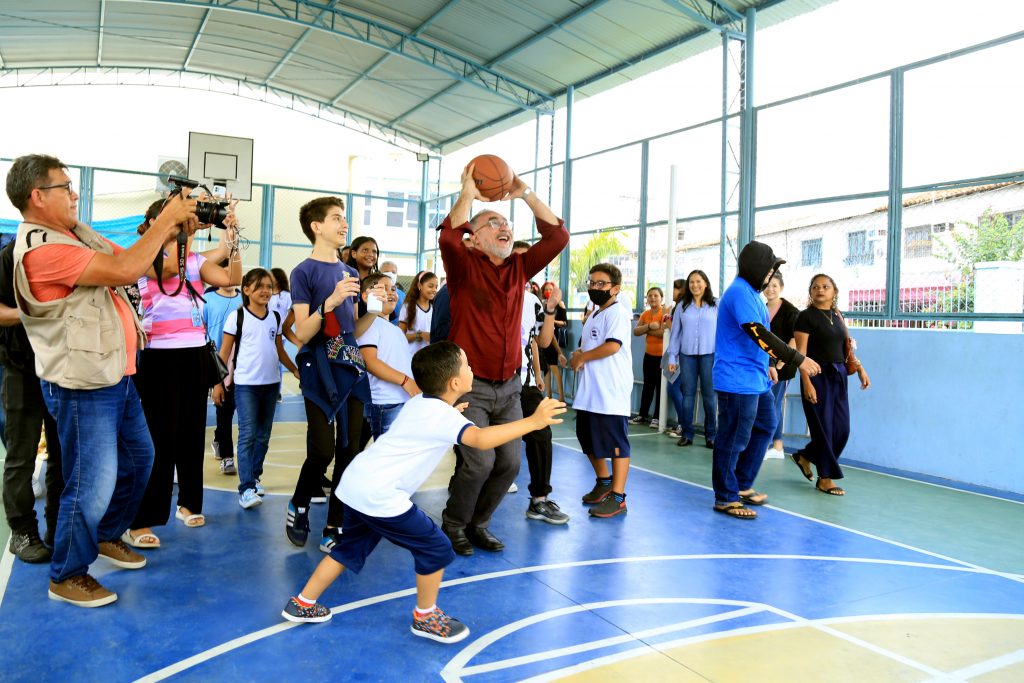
{"x": 212, "y": 213}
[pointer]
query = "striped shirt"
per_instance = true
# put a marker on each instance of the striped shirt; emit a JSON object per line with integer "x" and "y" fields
{"x": 168, "y": 319}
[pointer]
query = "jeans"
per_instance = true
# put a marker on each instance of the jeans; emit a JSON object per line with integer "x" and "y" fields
{"x": 256, "y": 404}
{"x": 26, "y": 411}
{"x": 380, "y": 417}
{"x": 691, "y": 370}
{"x": 747, "y": 423}
{"x": 106, "y": 455}
{"x": 779, "y": 394}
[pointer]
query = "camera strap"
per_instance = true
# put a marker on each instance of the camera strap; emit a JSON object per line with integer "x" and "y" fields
{"x": 158, "y": 265}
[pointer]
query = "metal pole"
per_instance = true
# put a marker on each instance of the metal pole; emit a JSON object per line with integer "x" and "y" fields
{"x": 85, "y": 196}
{"x": 641, "y": 267}
{"x": 563, "y": 259}
{"x": 421, "y": 232}
{"x": 747, "y": 136}
{"x": 895, "y": 223}
{"x": 670, "y": 267}
{"x": 267, "y": 227}
{"x": 724, "y": 206}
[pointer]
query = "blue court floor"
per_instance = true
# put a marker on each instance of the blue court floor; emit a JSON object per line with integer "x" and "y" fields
{"x": 670, "y": 591}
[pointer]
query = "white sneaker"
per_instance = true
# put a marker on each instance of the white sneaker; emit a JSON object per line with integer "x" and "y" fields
{"x": 249, "y": 499}
{"x": 513, "y": 488}
{"x": 654, "y": 424}
{"x": 773, "y": 454}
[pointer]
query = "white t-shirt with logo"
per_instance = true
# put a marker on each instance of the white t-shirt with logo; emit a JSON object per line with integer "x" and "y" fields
{"x": 533, "y": 317}
{"x": 606, "y": 385}
{"x": 257, "y": 349}
{"x": 380, "y": 481}
{"x": 393, "y": 350}
{"x": 421, "y": 323}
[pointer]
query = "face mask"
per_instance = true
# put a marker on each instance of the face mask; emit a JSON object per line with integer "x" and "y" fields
{"x": 393, "y": 276}
{"x": 599, "y": 296}
{"x": 547, "y": 295}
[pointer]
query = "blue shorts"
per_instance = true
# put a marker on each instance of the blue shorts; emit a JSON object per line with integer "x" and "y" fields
{"x": 602, "y": 436}
{"x": 413, "y": 530}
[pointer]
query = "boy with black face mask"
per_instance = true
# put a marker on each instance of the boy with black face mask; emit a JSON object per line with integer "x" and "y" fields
{"x": 743, "y": 378}
{"x": 604, "y": 364}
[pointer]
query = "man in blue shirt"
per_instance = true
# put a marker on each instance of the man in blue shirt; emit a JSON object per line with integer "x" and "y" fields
{"x": 743, "y": 379}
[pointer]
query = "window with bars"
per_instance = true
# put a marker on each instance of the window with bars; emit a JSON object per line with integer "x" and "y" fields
{"x": 917, "y": 241}
{"x": 810, "y": 253}
{"x": 860, "y": 251}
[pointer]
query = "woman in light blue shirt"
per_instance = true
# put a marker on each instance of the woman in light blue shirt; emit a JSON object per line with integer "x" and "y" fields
{"x": 692, "y": 351}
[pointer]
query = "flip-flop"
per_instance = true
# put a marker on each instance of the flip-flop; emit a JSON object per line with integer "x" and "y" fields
{"x": 752, "y": 498}
{"x": 733, "y": 510}
{"x": 190, "y": 521}
{"x": 140, "y": 541}
{"x": 807, "y": 473}
{"x": 832, "y": 491}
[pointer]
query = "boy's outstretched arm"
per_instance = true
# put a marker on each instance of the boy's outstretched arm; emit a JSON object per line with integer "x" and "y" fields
{"x": 491, "y": 437}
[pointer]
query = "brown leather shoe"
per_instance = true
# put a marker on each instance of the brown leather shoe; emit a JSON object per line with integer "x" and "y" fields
{"x": 120, "y": 555}
{"x": 81, "y": 590}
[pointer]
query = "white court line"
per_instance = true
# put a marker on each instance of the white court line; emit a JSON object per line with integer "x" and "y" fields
{"x": 822, "y": 625}
{"x": 988, "y": 666}
{"x": 1012, "y": 577}
{"x": 458, "y": 667}
{"x": 6, "y": 564}
{"x": 241, "y": 641}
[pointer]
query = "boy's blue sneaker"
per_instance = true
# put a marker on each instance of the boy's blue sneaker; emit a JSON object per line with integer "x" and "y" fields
{"x": 296, "y": 525}
{"x": 260, "y": 491}
{"x": 249, "y": 499}
{"x": 439, "y": 626}
{"x": 330, "y": 539}
{"x": 315, "y": 614}
{"x": 597, "y": 494}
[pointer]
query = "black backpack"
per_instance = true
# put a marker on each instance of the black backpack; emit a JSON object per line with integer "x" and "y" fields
{"x": 238, "y": 331}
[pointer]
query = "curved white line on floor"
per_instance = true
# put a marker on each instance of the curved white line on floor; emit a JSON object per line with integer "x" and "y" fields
{"x": 6, "y": 564}
{"x": 823, "y": 625}
{"x": 241, "y": 641}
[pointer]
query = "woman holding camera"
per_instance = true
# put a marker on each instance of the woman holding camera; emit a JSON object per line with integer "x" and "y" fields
{"x": 173, "y": 377}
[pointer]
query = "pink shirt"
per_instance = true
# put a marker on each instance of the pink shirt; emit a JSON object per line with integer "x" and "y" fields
{"x": 168, "y": 320}
{"x": 53, "y": 273}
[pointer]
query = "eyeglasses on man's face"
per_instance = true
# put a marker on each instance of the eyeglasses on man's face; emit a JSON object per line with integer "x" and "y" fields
{"x": 66, "y": 186}
{"x": 598, "y": 284}
{"x": 496, "y": 223}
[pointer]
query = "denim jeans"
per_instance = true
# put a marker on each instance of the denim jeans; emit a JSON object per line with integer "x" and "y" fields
{"x": 106, "y": 456}
{"x": 746, "y": 425}
{"x": 779, "y": 397}
{"x": 381, "y": 417}
{"x": 691, "y": 370}
{"x": 256, "y": 404}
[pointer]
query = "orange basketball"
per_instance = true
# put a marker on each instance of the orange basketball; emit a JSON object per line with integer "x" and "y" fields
{"x": 493, "y": 176}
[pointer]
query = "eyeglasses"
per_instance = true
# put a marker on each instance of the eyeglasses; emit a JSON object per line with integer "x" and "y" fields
{"x": 597, "y": 284}
{"x": 496, "y": 223}
{"x": 67, "y": 186}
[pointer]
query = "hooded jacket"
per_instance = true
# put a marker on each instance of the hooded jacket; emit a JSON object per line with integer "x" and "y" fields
{"x": 744, "y": 344}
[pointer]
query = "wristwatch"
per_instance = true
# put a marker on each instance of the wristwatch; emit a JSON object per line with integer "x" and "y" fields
{"x": 526, "y": 193}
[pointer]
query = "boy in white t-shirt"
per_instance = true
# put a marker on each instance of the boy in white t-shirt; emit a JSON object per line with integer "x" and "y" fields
{"x": 604, "y": 363}
{"x": 388, "y": 358}
{"x": 376, "y": 489}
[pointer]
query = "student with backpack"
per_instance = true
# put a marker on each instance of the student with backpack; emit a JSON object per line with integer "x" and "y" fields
{"x": 252, "y": 341}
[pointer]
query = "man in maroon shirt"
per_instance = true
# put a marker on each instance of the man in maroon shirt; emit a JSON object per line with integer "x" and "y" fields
{"x": 486, "y": 285}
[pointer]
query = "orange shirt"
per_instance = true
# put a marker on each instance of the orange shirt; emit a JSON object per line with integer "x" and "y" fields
{"x": 52, "y": 272}
{"x": 653, "y": 343}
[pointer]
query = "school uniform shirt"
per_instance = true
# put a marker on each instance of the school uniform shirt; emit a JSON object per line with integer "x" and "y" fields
{"x": 606, "y": 385}
{"x": 282, "y": 303}
{"x": 392, "y": 349}
{"x": 533, "y": 317}
{"x": 257, "y": 362}
{"x": 381, "y": 480}
{"x": 421, "y": 323}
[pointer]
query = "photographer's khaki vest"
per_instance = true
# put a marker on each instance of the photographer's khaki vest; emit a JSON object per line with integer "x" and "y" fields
{"x": 78, "y": 340}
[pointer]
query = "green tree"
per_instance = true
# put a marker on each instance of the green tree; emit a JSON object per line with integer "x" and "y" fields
{"x": 992, "y": 238}
{"x": 598, "y": 249}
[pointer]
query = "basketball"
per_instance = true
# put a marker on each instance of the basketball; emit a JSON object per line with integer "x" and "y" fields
{"x": 493, "y": 176}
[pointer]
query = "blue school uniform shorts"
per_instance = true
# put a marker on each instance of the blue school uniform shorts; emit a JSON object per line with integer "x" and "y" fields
{"x": 413, "y": 530}
{"x": 602, "y": 436}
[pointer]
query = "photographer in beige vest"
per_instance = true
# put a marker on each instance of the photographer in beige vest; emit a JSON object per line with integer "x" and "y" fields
{"x": 69, "y": 286}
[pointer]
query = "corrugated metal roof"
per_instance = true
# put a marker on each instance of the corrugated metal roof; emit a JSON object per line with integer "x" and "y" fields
{"x": 435, "y": 72}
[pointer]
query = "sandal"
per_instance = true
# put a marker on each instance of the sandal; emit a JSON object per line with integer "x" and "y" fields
{"x": 832, "y": 491}
{"x": 147, "y": 540}
{"x": 806, "y": 472}
{"x": 735, "y": 510}
{"x": 754, "y": 497}
{"x": 190, "y": 520}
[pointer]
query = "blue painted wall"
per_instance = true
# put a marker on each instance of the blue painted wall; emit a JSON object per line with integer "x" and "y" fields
{"x": 943, "y": 404}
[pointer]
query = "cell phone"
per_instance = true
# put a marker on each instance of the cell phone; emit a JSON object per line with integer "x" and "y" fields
{"x": 373, "y": 304}
{"x": 220, "y": 189}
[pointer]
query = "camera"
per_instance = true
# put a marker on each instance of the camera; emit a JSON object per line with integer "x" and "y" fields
{"x": 208, "y": 213}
